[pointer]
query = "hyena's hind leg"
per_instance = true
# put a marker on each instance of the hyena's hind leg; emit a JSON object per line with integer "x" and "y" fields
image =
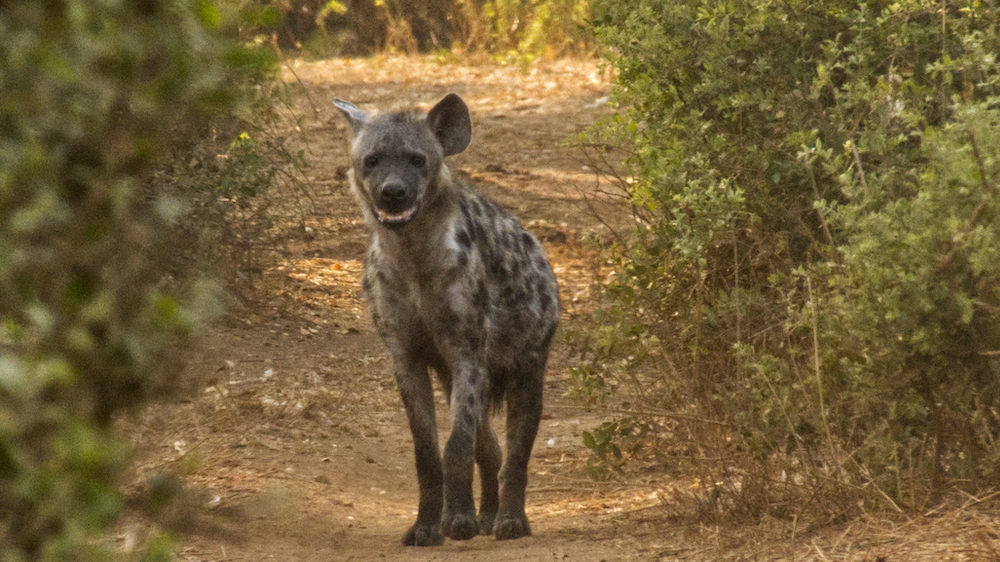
{"x": 489, "y": 458}
{"x": 524, "y": 412}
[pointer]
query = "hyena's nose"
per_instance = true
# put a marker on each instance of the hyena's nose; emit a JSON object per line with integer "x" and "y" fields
{"x": 395, "y": 202}
{"x": 393, "y": 192}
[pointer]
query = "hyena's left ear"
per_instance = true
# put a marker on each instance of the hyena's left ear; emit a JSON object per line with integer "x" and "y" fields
{"x": 451, "y": 124}
{"x": 356, "y": 117}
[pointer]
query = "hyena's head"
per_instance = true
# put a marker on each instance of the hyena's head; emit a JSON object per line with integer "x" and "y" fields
{"x": 397, "y": 157}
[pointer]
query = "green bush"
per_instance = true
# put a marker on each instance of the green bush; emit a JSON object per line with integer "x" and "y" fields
{"x": 816, "y": 250}
{"x": 244, "y": 189}
{"x": 510, "y": 29}
{"x": 91, "y": 95}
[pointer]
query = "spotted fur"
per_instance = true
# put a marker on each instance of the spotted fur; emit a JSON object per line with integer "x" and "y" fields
{"x": 456, "y": 286}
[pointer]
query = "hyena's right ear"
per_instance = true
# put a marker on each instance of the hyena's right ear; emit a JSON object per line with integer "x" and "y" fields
{"x": 356, "y": 117}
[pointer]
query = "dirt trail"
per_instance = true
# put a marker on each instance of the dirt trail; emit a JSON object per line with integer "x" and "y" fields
{"x": 293, "y": 445}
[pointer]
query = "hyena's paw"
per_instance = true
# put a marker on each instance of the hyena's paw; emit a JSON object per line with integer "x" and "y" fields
{"x": 460, "y": 526}
{"x": 486, "y": 523}
{"x": 512, "y": 527}
{"x": 423, "y": 535}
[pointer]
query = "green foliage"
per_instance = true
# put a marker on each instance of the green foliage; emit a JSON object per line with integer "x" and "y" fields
{"x": 611, "y": 443}
{"x": 915, "y": 304}
{"x": 244, "y": 188}
{"x": 91, "y": 93}
{"x": 512, "y": 30}
{"x": 521, "y": 31}
{"x": 816, "y": 251}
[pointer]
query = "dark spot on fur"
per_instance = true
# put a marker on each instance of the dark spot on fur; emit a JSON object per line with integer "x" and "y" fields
{"x": 482, "y": 295}
{"x": 474, "y": 334}
{"x": 545, "y": 301}
{"x": 478, "y": 234}
{"x": 527, "y": 242}
{"x": 451, "y": 274}
{"x": 505, "y": 241}
{"x": 505, "y": 339}
{"x": 514, "y": 297}
{"x": 497, "y": 271}
{"x": 463, "y": 260}
{"x": 507, "y": 295}
{"x": 480, "y": 299}
{"x": 463, "y": 239}
{"x": 491, "y": 209}
{"x": 450, "y": 323}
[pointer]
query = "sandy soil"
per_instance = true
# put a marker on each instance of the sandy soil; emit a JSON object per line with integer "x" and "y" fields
{"x": 292, "y": 444}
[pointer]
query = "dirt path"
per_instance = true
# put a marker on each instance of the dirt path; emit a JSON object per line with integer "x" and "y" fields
{"x": 293, "y": 444}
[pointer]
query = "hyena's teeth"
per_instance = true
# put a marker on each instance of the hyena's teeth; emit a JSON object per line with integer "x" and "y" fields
{"x": 402, "y": 216}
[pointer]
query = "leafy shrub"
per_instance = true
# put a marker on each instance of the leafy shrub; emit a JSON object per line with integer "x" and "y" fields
{"x": 524, "y": 30}
{"x": 611, "y": 441}
{"x": 511, "y": 29}
{"x": 244, "y": 189}
{"x": 815, "y": 184}
{"x": 90, "y": 96}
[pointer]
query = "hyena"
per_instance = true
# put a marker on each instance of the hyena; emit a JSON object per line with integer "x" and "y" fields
{"x": 457, "y": 286}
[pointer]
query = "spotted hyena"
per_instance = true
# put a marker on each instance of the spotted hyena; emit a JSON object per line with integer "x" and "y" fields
{"x": 457, "y": 286}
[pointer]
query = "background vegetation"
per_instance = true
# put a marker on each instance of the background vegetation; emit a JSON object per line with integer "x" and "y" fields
{"x": 99, "y": 103}
{"x": 508, "y": 29}
{"x": 141, "y": 170}
{"x": 810, "y": 297}
{"x": 806, "y": 311}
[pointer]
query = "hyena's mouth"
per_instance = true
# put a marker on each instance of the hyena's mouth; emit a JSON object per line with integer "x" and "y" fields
{"x": 396, "y": 217}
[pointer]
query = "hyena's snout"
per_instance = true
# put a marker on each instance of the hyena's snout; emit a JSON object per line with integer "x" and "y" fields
{"x": 395, "y": 201}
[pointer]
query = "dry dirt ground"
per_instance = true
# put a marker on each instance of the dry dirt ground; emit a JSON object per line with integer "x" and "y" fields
{"x": 293, "y": 445}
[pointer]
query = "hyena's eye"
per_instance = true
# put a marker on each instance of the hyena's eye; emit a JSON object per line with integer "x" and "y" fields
{"x": 371, "y": 161}
{"x": 418, "y": 161}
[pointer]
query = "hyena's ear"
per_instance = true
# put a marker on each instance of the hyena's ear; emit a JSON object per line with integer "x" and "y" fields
{"x": 450, "y": 122}
{"x": 356, "y": 117}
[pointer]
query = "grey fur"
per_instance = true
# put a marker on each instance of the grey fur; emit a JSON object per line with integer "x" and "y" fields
{"x": 457, "y": 286}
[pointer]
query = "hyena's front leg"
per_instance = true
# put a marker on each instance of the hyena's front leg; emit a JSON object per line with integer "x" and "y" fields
{"x": 459, "y": 521}
{"x": 418, "y": 397}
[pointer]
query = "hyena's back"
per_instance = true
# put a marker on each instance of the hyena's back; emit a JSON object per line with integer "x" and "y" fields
{"x": 514, "y": 301}
{"x": 521, "y": 292}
